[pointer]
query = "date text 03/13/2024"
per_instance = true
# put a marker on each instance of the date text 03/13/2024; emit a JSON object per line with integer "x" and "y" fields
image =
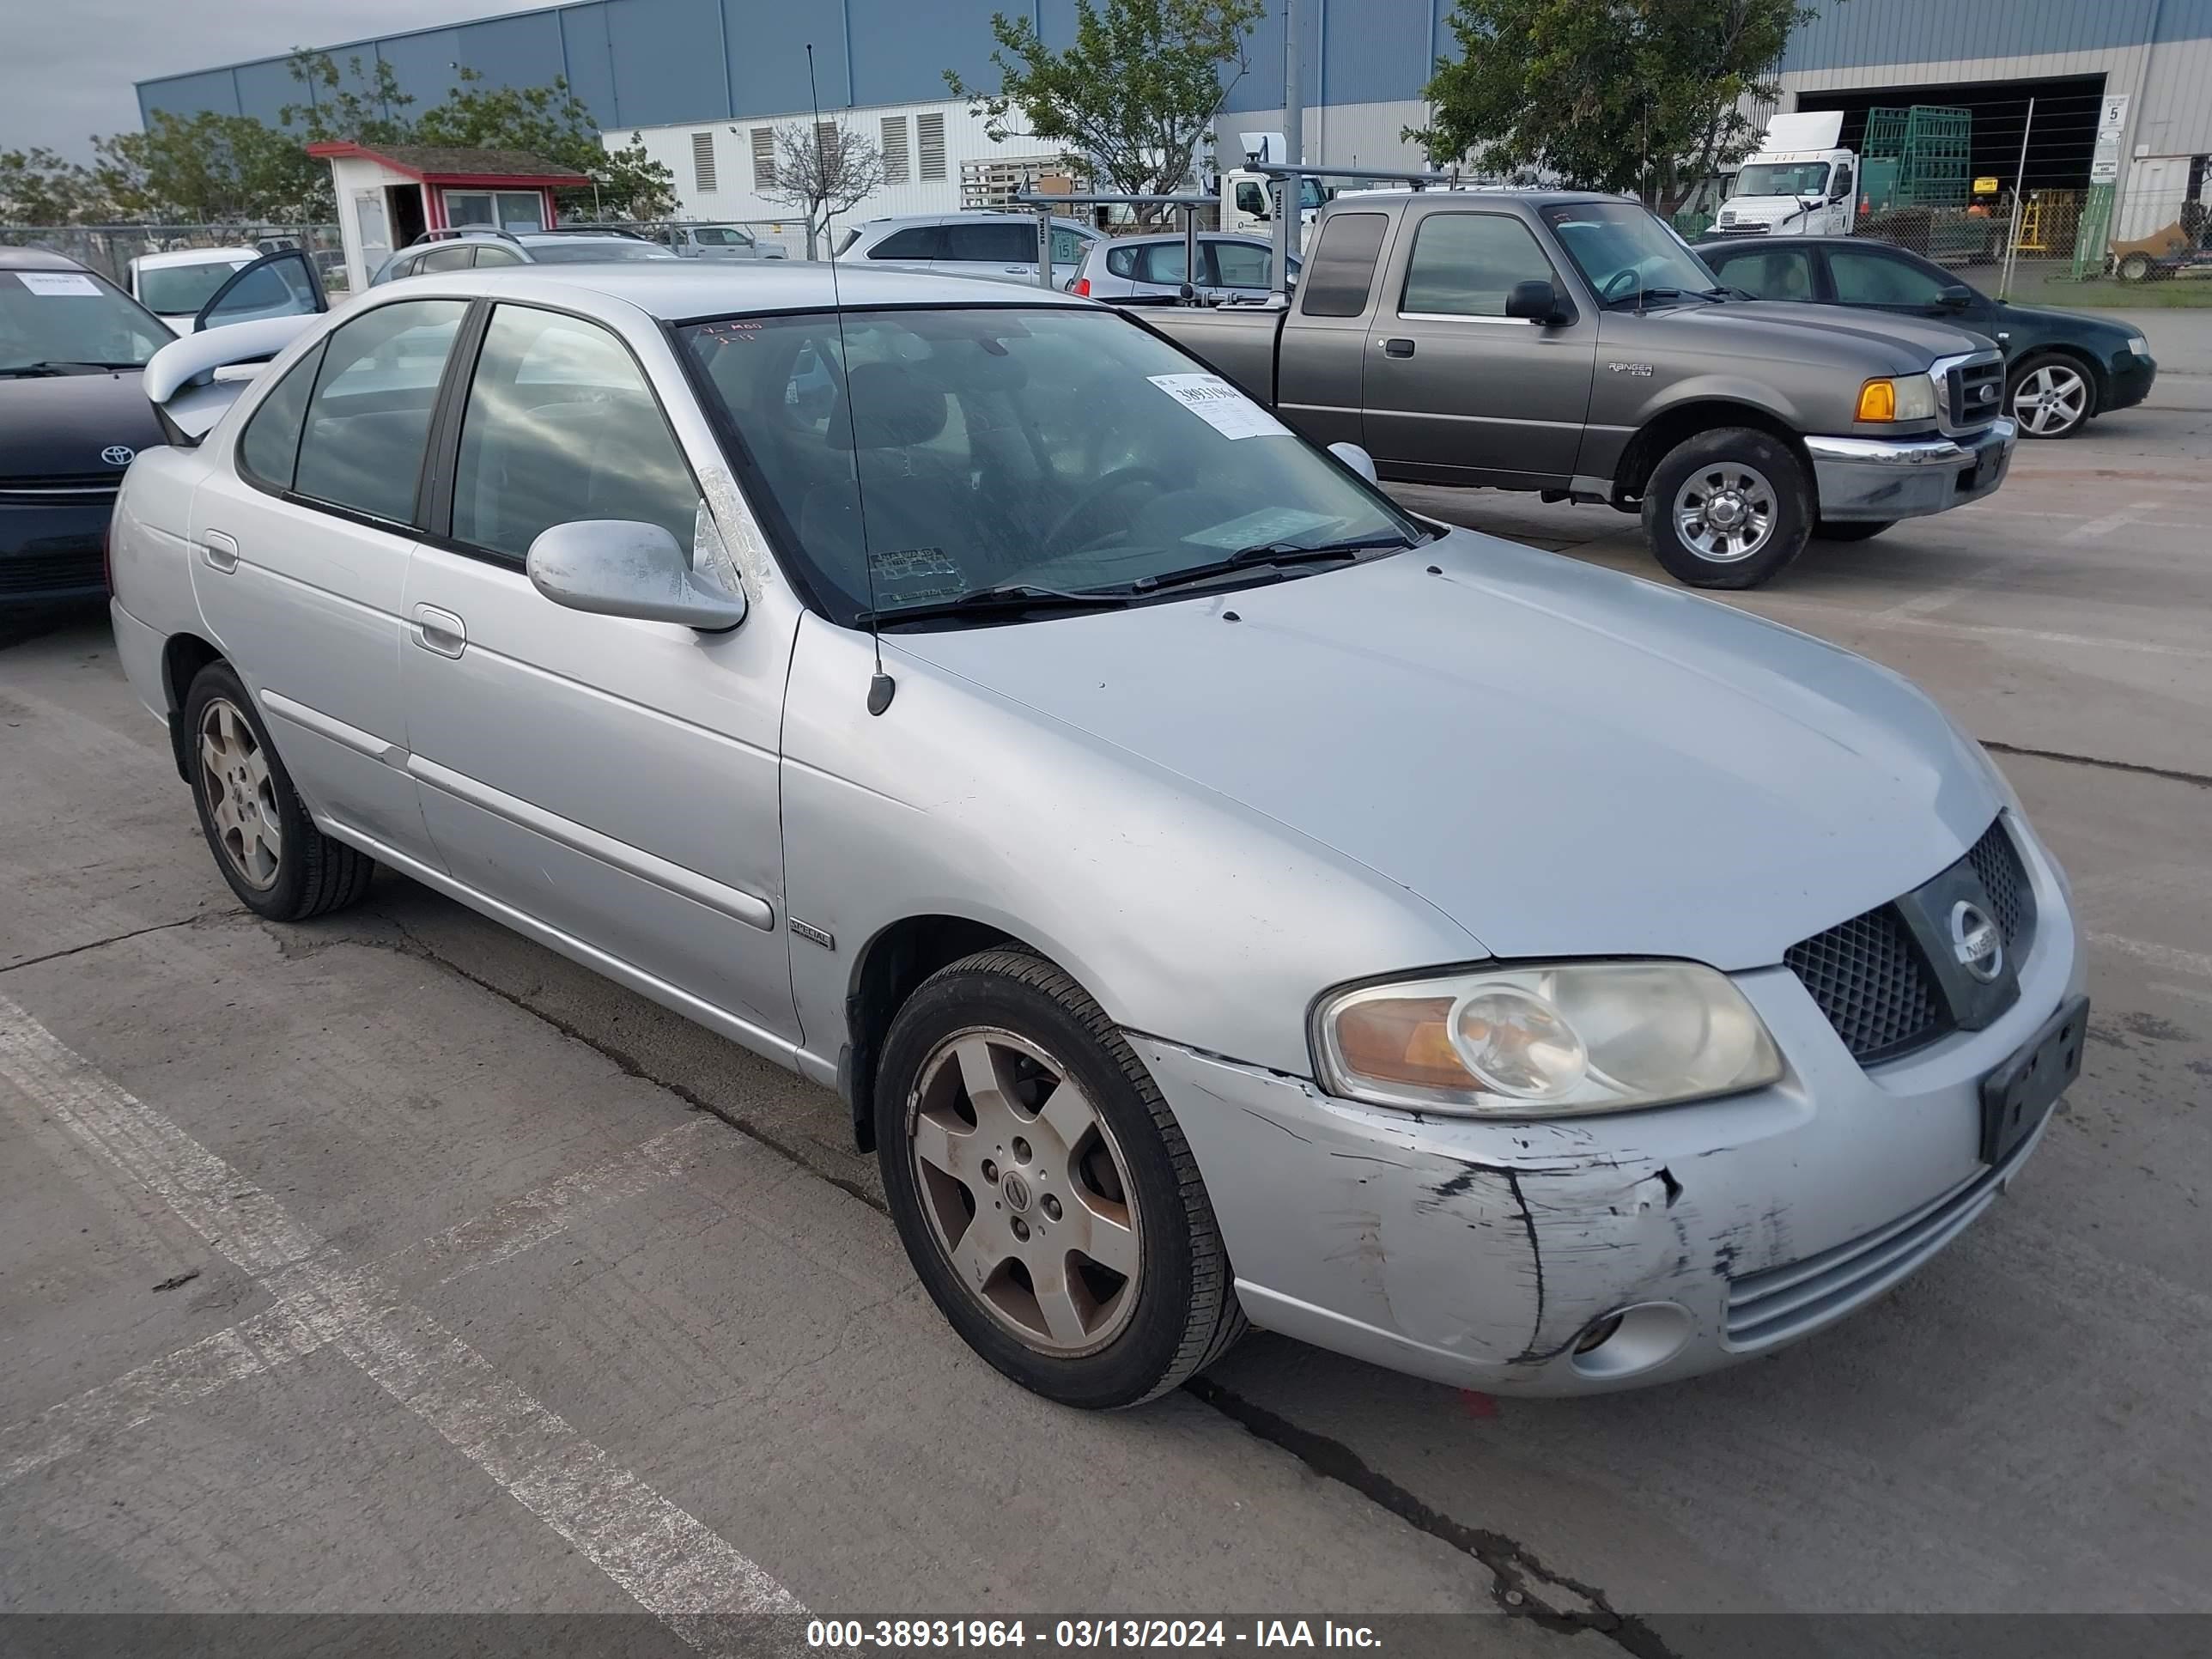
{"x": 1087, "y": 1633}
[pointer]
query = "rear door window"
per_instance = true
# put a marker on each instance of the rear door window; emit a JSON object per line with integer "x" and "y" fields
{"x": 915, "y": 242}
{"x": 458, "y": 256}
{"x": 1239, "y": 265}
{"x": 369, "y": 418}
{"x": 1341, "y": 268}
{"x": 1164, "y": 262}
{"x": 990, "y": 243}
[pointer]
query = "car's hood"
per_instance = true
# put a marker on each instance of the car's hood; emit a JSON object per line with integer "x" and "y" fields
{"x": 1748, "y": 328}
{"x": 56, "y": 426}
{"x": 1564, "y": 760}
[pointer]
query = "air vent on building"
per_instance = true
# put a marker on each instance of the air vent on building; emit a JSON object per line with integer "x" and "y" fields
{"x": 894, "y": 151}
{"x": 929, "y": 134}
{"x": 763, "y": 158}
{"x": 702, "y": 161}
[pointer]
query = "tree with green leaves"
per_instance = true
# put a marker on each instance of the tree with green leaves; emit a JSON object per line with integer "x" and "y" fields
{"x": 1630, "y": 95}
{"x": 209, "y": 169}
{"x": 1131, "y": 100}
{"x": 38, "y": 187}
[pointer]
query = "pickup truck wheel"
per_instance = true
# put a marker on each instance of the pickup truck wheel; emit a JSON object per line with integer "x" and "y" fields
{"x": 268, "y": 849}
{"x": 1851, "y": 529}
{"x": 2049, "y": 397}
{"x": 1727, "y": 509}
{"x": 1043, "y": 1189}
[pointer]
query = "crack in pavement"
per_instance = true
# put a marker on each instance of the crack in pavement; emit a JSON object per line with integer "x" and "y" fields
{"x": 117, "y": 939}
{"x": 2196, "y": 778}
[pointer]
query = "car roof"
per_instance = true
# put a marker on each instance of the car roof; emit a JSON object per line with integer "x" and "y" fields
{"x": 1717, "y": 240}
{"x": 38, "y": 259}
{"x": 676, "y": 290}
{"x": 194, "y": 256}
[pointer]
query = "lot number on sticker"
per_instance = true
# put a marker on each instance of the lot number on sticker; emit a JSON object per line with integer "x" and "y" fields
{"x": 1221, "y": 405}
{"x": 58, "y": 281}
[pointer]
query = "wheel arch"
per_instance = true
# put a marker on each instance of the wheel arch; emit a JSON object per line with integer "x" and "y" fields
{"x": 2074, "y": 356}
{"x": 183, "y": 657}
{"x": 1641, "y": 456}
{"x": 888, "y": 969}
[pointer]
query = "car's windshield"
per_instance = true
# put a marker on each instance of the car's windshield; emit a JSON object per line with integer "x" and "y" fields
{"x": 1782, "y": 178}
{"x": 1624, "y": 252}
{"x": 185, "y": 289}
{"x": 596, "y": 251}
{"x": 68, "y": 319}
{"x": 1062, "y": 449}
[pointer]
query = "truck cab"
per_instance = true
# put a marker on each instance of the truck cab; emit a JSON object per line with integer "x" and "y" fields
{"x": 1801, "y": 182}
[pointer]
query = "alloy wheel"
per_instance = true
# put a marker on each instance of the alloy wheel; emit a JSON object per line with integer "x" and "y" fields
{"x": 1026, "y": 1191}
{"x": 241, "y": 793}
{"x": 1725, "y": 512}
{"x": 2052, "y": 400}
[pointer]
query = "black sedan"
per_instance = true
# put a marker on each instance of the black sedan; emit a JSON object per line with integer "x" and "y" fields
{"x": 71, "y": 417}
{"x": 2062, "y": 368}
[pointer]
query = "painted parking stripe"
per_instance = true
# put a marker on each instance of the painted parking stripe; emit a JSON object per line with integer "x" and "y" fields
{"x": 666, "y": 1559}
{"x": 278, "y": 1335}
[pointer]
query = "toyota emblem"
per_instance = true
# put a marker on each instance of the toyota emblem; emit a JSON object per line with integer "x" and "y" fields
{"x": 118, "y": 455}
{"x": 1976, "y": 942}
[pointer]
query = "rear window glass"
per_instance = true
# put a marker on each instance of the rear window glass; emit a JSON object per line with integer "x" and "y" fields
{"x": 1341, "y": 270}
{"x": 270, "y": 445}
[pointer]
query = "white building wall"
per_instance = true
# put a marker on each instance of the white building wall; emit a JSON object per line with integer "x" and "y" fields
{"x": 736, "y": 199}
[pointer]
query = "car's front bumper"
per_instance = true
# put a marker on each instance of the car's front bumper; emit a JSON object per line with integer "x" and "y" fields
{"x": 2128, "y": 380}
{"x": 1891, "y": 478}
{"x": 1479, "y": 1253}
{"x": 53, "y": 553}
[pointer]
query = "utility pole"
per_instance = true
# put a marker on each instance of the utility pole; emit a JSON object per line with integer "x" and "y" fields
{"x": 1287, "y": 205}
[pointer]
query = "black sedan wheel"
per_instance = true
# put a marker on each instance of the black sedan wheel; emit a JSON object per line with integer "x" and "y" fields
{"x": 2051, "y": 397}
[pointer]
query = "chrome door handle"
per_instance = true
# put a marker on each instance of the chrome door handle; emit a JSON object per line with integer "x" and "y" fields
{"x": 441, "y": 631}
{"x": 221, "y": 551}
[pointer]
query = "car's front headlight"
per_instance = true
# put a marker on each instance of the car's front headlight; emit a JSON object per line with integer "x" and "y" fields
{"x": 1901, "y": 397}
{"x": 1547, "y": 1041}
{"x": 2140, "y": 346}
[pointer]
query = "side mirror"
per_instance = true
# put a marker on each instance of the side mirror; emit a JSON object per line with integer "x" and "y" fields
{"x": 1955, "y": 295}
{"x": 1357, "y": 458}
{"x": 1537, "y": 301}
{"x": 622, "y": 568}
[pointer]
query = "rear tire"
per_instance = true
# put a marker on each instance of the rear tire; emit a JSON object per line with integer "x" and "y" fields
{"x": 1851, "y": 529}
{"x": 268, "y": 849}
{"x": 1727, "y": 509}
{"x": 1011, "y": 1237}
{"x": 2134, "y": 268}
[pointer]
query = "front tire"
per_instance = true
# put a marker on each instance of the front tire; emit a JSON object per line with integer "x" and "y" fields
{"x": 2134, "y": 268}
{"x": 1851, "y": 529}
{"x": 268, "y": 849}
{"x": 1043, "y": 1188}
{"x": 1727, "y": 509}
{"x": 2050, "y": 396}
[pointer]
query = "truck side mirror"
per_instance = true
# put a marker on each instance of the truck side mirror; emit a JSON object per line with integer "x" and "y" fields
{"x": 1535, "y": 300}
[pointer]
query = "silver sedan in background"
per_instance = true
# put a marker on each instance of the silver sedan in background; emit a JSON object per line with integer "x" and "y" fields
{"x": 1219, "y": 893}
{"x": 1154, "y": 268}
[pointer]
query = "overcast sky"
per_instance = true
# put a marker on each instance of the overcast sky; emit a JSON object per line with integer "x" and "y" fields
{"x": 69, "y": 66}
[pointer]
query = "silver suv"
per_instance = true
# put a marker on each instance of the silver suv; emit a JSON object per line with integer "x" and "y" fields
{"x": 482, "y": 249}
{"x": 998, "y": 247}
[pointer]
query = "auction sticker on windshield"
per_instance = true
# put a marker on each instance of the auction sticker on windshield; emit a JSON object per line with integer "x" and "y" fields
{"x": 1221, "y": 405}
{"x": 58, "y": 281}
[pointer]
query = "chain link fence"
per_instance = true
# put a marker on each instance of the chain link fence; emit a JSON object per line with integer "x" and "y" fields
{"x": 109, "y": 249}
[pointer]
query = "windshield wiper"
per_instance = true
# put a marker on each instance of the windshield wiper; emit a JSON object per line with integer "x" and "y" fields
{"x": 998, "y": 600}
{"x": 63, "y": 365}
{"x": 1268, "y": 553}
{"x": 1638, "y": 300}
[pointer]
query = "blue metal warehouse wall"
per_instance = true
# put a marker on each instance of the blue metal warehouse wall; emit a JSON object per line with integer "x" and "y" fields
{"x": 653, "y": 62}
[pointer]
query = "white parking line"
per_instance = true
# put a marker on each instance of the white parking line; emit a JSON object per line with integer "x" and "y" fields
{"x": 670, "y": 1563}
{"x": 277, "y": 1335}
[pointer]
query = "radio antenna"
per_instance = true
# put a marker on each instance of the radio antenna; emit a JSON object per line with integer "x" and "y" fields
{"x": 882, "y": 688}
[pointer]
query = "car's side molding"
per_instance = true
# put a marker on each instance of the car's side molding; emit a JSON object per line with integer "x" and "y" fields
{"x": 735, "y": 903}
{"x": 322, "y": 725}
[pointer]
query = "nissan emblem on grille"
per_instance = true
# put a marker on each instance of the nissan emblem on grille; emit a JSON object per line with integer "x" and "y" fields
{"x": 1976, "y": 941}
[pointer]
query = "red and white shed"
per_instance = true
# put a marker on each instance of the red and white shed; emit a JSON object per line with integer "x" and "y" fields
{"x": 390, "y": 194}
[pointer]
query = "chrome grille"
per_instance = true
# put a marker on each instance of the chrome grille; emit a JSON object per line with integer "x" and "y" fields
{"x": 62, "y": 488}
{"x": 1869, "y": 977}
{"x": 1777, "y": 1303}
{"x": 1971, "y": 393}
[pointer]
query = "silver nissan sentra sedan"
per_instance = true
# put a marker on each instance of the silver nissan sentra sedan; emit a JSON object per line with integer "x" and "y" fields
{"x": 1220, "y": 895}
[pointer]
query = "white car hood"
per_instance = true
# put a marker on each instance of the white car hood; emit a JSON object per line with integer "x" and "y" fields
{"x": 1564, "y": 760}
